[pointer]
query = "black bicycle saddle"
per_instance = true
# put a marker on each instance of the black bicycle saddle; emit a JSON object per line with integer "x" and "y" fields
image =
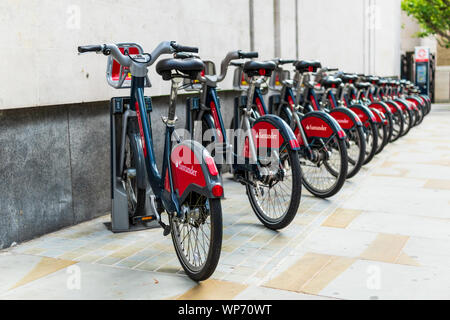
{"x": 331, "y": 82}
{"x": 188, "y": 67}
{"x": 259, "y": 68}
{"x": 307, "y": 65}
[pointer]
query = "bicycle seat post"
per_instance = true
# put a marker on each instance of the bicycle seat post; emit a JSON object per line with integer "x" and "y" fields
{"x": 298, "y": 81}
{"x": 171, "y": 118}
{"x": 250, "y": 94}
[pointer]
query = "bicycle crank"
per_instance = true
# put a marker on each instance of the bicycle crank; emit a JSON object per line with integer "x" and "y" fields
{"x": 165, "y": 227}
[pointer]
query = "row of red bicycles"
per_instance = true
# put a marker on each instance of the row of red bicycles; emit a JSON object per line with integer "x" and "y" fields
{"x": 370, "y": 110}
{"x": 316, "y": 129}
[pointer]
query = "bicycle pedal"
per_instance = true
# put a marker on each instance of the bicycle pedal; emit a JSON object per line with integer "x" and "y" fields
{"x": 137, "y": 219}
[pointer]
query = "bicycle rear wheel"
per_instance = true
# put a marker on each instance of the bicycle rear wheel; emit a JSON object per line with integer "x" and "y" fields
{"x": 409, "y": 118}
{"x": 397, "y": 124}
{"x": 390, "y": 126}
{"x": 197, "y": 235}
{"x": 325, "y": 175}
{"x": 275, "y": 197}
{"x": 356, "y": 149}
{"x": 420, "y": 112}
{"x": 371, "y": 134}
{"x": 382, "y": 136}
{"x": 130, "y": 173}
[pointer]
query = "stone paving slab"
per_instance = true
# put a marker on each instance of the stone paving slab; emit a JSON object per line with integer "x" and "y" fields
{"x": 102, "y": 282}
{"x": 384, "y": 236}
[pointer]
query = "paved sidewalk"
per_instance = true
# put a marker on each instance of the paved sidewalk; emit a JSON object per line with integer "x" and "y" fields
{"x": 386, "y": 235}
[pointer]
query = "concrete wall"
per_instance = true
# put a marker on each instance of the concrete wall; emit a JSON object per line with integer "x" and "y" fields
{"x": 39, "y": 53}
{"x": 55, "y": 164}
{"x": 354, "y": 35}
{"x": 54, "y": 168}
{"x": 42, "y": 66}
{"x": 442, "y": 78}
{"x": 332, "y": 32}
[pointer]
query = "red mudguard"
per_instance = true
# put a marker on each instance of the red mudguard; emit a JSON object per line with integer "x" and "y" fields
{"x": 379, "y": 116}
{"x": 404, "y": 104}
{"x": 193, "y": 169}
{"x": 381, "y": 107}
{"x": 346, "y": 118}
{"x": 271, "y": 131}
{"x": 364, "y": 114}
{"x": 319, "y": 124}
{"x": 393, "y": 106}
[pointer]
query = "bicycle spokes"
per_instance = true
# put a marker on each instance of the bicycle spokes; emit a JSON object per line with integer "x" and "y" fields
{"x": 273, "y": 191}
{"x": 192, "y": 231}
{"x": 322, "y": 172}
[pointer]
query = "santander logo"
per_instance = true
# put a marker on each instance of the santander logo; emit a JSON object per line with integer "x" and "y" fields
{"x": 188, "y": 170}
{"x": 266, "y": 136}
{"x": 342, "y": 120}
{"x": 321, "y": 128}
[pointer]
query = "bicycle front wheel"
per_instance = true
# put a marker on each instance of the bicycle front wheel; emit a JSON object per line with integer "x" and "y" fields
{"x": 197, "y": 235}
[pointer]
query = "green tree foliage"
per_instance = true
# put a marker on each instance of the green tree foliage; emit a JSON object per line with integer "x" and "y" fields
{"x": 433, "y": 17}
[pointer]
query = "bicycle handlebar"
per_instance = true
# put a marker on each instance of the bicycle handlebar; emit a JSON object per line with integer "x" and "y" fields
{"x": 325, "y": 69}
{"x": 90, "y": 48}
{"x": 163, "y": 48}
{"x": 248, "y": 55}
{"x": 233, "y": 55}
{"x": 279, "y": 61}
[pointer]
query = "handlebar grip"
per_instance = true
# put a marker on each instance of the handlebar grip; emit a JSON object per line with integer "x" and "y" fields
{"x": 187, "y": 49}
{"x": 180, "y": 48}
{"x": 249, "y": 55}
{"x": 283, "y": 61}
{"x": 90, "y": 48}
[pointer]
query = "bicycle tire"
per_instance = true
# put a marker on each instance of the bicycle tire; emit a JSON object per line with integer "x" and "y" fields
{"x": 132, "y": 142}
{"x": 408, "y": 116}
{"x": 362, "y": 150}
{"x": 370, "y": 130}
{"x": 390, "y": 125}
{"x": 215, "y": 244}
{"x": 341, "y": 177}
{"x": 295, "y": 194}
{"x": 383, "y": 136}
{"x": 397, "y": 123}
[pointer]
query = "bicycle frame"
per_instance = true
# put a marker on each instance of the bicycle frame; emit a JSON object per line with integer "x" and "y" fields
{"x": 210, "y": 98}
{"x": 312, "y": 107}
{"x": 209, "y": 102}
{"x": 156, "y": 180}
{"x": 287, "y": 97}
